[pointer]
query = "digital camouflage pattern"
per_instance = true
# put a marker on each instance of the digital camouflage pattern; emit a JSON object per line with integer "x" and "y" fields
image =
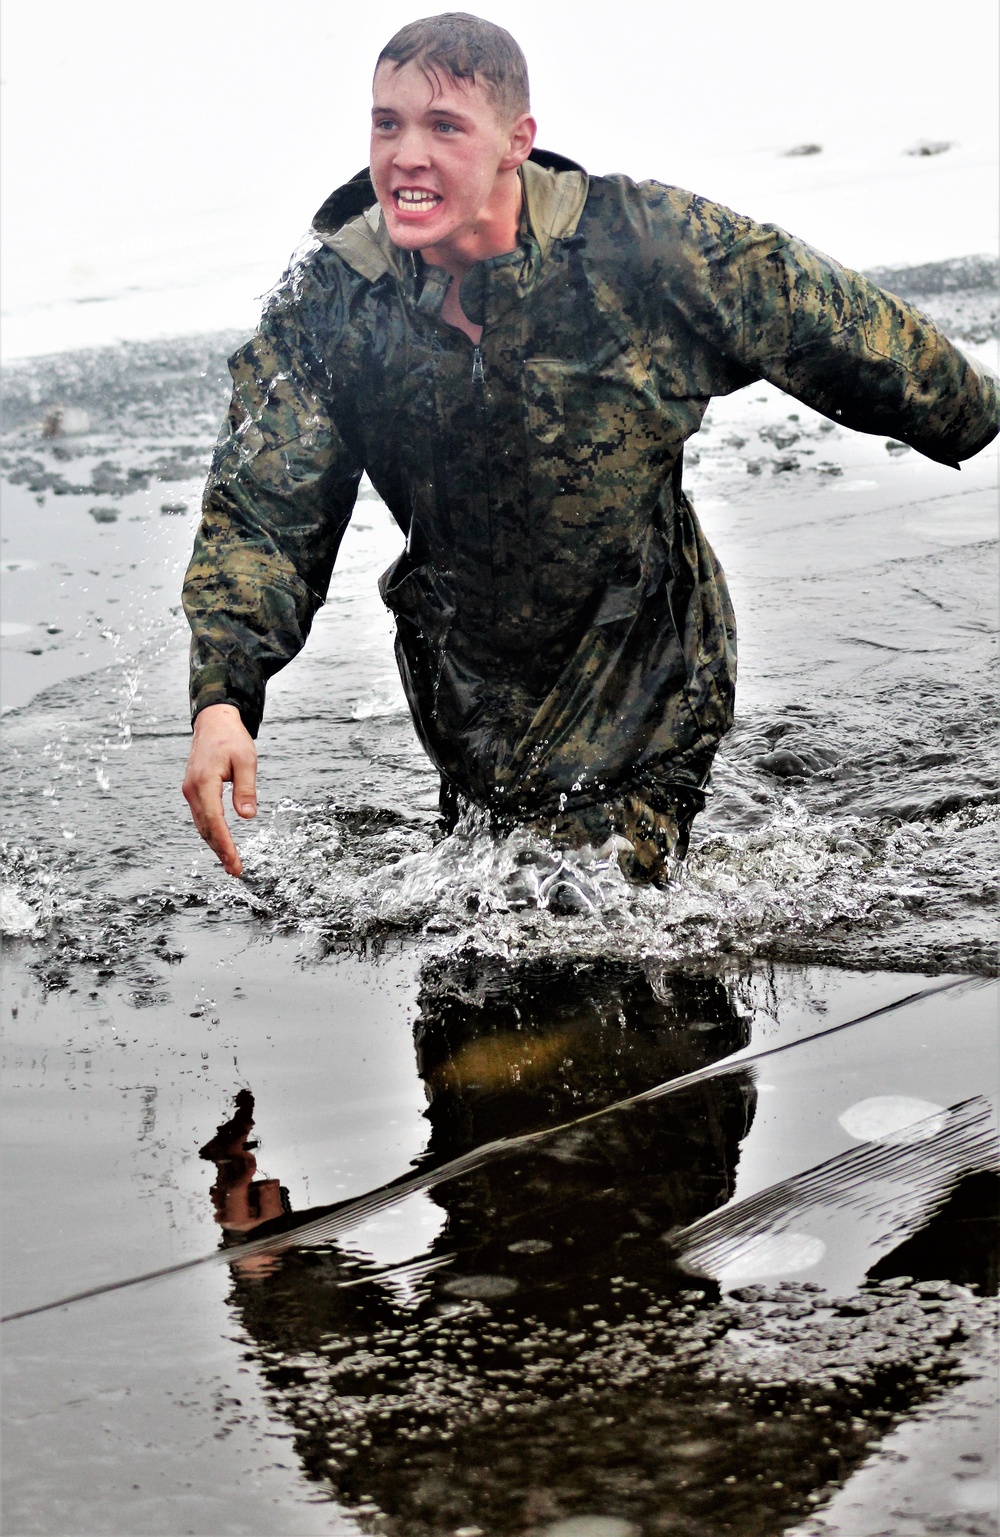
{"x": 564, "y": 632}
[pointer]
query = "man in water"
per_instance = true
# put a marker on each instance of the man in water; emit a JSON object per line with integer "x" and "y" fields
{"x": 516, "y": 353}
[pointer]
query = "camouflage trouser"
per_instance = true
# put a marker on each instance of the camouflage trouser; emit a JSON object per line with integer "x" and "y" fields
{"x": 649, "y": 836}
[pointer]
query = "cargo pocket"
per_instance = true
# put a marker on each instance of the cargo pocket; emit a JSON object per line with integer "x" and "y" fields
{"x": 424, "y": 612}
{"x": 417, "y": 594}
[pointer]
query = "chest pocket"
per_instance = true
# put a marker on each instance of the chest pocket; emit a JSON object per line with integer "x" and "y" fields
{"x": 560, "y": 394}
{"x": 597, "y": 443}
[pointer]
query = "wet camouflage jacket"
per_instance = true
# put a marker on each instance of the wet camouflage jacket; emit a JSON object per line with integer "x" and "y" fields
{"x": 563, "y": 627}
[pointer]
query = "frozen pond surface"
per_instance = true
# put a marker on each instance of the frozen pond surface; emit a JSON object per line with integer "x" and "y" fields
{"x": 516, "y": 1349}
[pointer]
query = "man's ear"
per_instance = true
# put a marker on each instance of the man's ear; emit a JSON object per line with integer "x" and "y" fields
{"x": 522, "y": 139}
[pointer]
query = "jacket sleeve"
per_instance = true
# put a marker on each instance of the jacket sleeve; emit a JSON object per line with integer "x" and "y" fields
{"x": 856, "y": 353}
{"x": 779, "y": 310}
{"x": 280, "y": 494}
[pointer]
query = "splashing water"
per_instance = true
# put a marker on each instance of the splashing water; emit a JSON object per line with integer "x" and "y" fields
{"x": 798, "y": 884}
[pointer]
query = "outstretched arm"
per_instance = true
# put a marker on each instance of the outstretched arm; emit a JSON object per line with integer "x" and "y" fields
{"x": 279, "y": 497}
{"x": 780, "y": 310}
{"x": 860, "y": 355}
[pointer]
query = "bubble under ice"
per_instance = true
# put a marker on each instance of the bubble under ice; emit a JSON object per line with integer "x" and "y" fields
{"x": 772, "y": 1254}
{"x": 893, "y": 1118}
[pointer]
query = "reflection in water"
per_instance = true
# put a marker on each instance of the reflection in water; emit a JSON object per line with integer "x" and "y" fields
{"x": 241, "y": 1203}
{"x": 547, "y": 1357}
{"x": 499, "y": 1059}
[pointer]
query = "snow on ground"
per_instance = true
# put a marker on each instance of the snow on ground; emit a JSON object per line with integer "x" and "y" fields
{"x": 156, "y": 178}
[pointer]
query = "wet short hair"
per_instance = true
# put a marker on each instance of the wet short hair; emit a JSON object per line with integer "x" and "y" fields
{"x": 466, "y": 48}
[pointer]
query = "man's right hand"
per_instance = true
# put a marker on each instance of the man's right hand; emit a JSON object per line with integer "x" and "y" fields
{"x": 222, "y": 753}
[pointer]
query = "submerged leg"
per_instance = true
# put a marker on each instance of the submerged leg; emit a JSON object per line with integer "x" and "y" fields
{"x": 659, "y": 835}
{"x": 652, "y": 832}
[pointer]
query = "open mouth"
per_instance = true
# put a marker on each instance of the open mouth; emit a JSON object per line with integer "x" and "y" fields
{"x": 415, "y": 200}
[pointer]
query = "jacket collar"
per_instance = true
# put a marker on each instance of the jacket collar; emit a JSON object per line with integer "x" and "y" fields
{"x": 350, "y": 221}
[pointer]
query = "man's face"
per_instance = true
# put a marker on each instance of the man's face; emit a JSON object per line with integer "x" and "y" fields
{"x": 437, "y": 150}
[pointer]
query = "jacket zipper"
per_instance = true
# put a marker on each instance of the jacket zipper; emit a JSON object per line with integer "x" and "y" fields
{"x": 479, "y": 390}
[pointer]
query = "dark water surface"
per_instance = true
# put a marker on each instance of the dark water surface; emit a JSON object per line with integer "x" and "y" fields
{"x": 660, "y": 1320}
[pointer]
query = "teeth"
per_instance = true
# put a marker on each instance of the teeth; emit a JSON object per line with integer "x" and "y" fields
{"x": 417, "y": 199}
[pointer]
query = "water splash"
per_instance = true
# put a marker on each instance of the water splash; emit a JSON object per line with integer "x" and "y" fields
{"x": 798, "y": 884}
{"x": 32, "y": 893}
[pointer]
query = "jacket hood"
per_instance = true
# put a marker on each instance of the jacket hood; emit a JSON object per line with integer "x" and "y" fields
{"x": 350, "y": 221}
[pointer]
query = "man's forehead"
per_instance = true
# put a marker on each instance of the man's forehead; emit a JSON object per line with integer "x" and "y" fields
{"x": 431, "y": 85}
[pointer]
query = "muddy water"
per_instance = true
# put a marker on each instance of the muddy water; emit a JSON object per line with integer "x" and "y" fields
{"x": 559, "y": 1341}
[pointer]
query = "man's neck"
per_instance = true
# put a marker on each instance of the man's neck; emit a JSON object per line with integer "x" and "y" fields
{"x": 498, "y": 233}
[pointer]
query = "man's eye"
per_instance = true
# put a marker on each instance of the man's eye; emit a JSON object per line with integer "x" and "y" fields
{"x": 446, "y": 128}
{"x": 385, "y": 124}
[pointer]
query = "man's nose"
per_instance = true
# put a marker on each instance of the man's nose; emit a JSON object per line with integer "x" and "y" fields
{"x": 412, "y": 150}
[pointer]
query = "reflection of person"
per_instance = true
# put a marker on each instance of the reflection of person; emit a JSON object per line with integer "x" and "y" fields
{"x": 240, "y": 1201}
{"x": 551, "y": 1045}
{"x": 516, "y": 353}
{"x": 555, "y": 1364}
{"x": 541, "y": 1049}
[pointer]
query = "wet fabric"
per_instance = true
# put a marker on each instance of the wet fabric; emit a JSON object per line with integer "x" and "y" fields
{"x": 645, "y": 840}
{"x": 563, "y": 629}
